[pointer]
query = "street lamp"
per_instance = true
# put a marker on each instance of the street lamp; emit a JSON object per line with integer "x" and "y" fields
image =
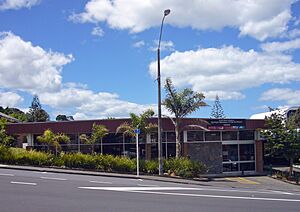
{"x": 160, "y": 161}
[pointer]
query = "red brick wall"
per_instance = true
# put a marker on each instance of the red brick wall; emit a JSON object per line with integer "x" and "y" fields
{"x": 259, "y": 156}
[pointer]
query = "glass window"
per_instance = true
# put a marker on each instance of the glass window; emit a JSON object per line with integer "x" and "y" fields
{"x": 212, "y": 136}
{"x": 230, "y": 167}
{"x": 171, "y": 137}
{"x": 230, "y": 152}
{"x": 246, "y": 152}
{"x": 246, "y": 135}
{"x": 247, "y": 166}
{"x": 229, "y": 135}
{"x": 154, "y": 137}
{"x": 194, "y": 135}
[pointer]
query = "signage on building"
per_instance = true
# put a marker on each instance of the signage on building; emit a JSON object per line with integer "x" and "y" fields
{"x": 226, "y": 124}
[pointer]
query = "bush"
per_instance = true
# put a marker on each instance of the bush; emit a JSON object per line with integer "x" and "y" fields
{"x": 79, "y": 160}
{"x": 184, "y": 167}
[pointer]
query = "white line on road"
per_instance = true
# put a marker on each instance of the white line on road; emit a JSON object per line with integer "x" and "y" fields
{"x": 100, "y": 182}
{"x": 23, "y": 183}
{"x": 52, "y": 178}
{"x": 4, "y": 174}
{"x": 147, "y": 185}
{"x": 216, "y": 196}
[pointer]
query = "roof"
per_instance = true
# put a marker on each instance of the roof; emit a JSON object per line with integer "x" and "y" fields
{"x": 85, "y": 126}
{"x": 282, "y": 111}
{"x": 9, "y": 118}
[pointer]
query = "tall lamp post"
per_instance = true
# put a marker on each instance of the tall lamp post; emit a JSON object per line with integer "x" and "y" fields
{"x": 160, "y": 161}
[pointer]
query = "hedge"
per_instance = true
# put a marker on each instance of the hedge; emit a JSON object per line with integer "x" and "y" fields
{"x": 176, "y": 166}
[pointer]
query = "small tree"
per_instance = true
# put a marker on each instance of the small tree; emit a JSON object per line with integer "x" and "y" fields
{"x": 99, "y": 131}
{"x": 5, "y": 139}
{"x": 283, "y": 138}
{"x": 181, "y": 104}
{"x": 36, "y": 113}
{"x": 51, "y": 139}
{"x": 217, "y": 109}
{"x": 137, "y": 122}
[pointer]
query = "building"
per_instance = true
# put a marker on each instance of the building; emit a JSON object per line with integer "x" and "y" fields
{"x": 224, "y": 145}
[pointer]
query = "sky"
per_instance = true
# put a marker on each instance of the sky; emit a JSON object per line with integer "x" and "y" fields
{"x": 97, "y": 58}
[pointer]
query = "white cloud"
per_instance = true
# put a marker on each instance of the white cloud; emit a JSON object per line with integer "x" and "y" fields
{"x": 228, "y": 69}
{"x": 281, "y": 46}
{"x": 26, "y": 67}
{"x": 18, "y": 4}
{"x": 87, "y": 104}
{"x": 224, "y": 95}
{"x": 139, "y": 44}
{"x": 164, "y": 46}
{"x": 10, "y": 99}
{"x": 293, "y": 33}
{"x": 97, "y": 31}
{"x": 257, "y": 18}
{"x": 287, "y": 95}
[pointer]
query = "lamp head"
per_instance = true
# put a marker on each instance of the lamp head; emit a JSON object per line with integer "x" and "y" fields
{"x": 167, "y": 12}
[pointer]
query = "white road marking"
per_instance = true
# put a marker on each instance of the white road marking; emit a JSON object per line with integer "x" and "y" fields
{"x": 23, "y": 183}
{"x": 138, "y": 188}
{"x": 4, "y": 174}
{"x": 100, "y": 182}
{"x": 147, "y": 185}
{"x": 217, "y": 196}
{"x": 52, "y": 178}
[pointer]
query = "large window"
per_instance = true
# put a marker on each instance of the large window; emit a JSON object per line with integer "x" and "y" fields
{"x": 212, "y": 136}
{"x": 246, "y": 152}
{"x": 238, "y": 157}
{"x": 246, "y": 135}
{"x": 229, "y": 135}
{"x": 194, "y": 135}
{"x": 230, "y": 152}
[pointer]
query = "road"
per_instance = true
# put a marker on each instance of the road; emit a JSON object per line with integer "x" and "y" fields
{"x": 44, "y": 191}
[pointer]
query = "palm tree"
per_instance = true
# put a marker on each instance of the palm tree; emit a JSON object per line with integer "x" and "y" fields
{"x": 137, "y": 122}
{"x": 99, "y": 131}
{"x": 181, "y": 104}
{"x": 52, "y": 139}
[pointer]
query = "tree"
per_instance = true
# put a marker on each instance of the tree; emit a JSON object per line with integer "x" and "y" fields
{"x": 181, "y": 104}
{"x": 137, "y": 122}
{"x": 5, "y": 139}
{"x": 282, "y": 138}
{"x": 295, "y": 119}
{"x": 217, "y": 109}
{"x": 61, "y": 117}
{"x": 36, "y": 113}
{"x": 99, "y": 131}
{"x": 51, "y": 139}
{"x": 15, "y": 113}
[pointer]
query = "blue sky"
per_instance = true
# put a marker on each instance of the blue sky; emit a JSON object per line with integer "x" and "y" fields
{"x": 97, "y": 58}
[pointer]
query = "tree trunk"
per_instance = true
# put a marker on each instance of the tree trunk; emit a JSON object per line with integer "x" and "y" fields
{"x": 178, "y": 145}
{"x": 291, "y": 167}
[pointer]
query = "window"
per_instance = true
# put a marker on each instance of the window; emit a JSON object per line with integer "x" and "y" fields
{"x": 194, "y": 135}
{"x": 230, "y": 152}
{"x": 229, "y": 135}
{"x": 246, "y": 135}
{"x": 247, "y": 166}
{"x": 246, "y": 152}
{"x": 212, "y": 136}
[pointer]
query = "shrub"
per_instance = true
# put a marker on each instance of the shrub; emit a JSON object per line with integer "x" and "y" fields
{"x": 79, "y": 160}
{"x": 184, "y": 167}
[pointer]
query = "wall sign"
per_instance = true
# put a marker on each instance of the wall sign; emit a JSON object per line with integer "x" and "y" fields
{"x": 226, "y": 124}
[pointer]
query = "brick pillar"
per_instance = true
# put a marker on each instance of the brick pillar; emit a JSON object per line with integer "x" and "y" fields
{"x": 259, "y": 165}
{"x": 148, "y": 151}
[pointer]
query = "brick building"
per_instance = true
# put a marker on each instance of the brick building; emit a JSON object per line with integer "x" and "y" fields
{"x": 224, "y": 145}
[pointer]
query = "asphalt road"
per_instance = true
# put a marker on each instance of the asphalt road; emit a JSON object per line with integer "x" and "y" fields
{"x": 42, "y": 191}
